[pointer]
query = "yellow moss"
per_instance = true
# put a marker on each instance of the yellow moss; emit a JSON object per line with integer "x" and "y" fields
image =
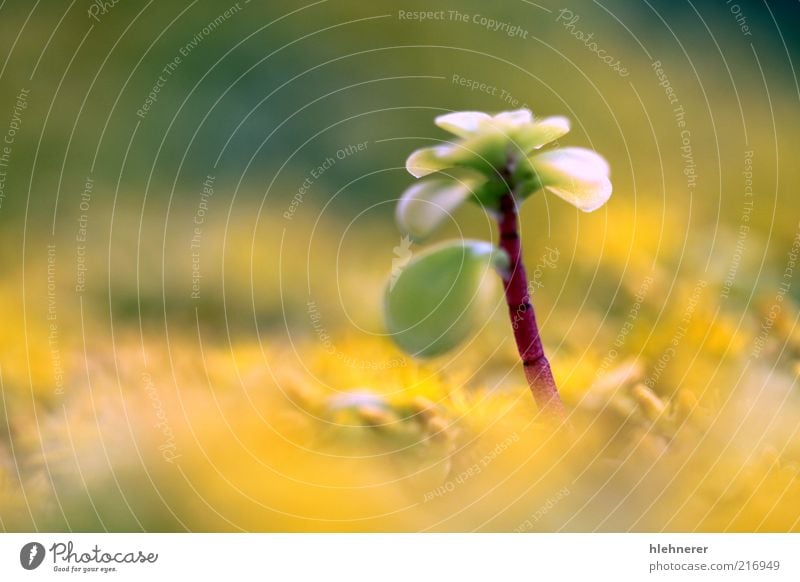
{"x": 26, "y": 357}
{"x": 337, "y": 449}
{"x": 340, "y": 431}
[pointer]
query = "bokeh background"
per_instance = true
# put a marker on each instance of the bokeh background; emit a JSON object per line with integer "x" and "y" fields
{"x": 196, "y": 224}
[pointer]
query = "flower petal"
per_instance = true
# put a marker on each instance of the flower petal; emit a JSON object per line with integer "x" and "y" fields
{"x": 425, "y": 161}
{"x": 577, "y": 175}
{"x": 580, "y": 160}
{"x": 586, "y": 196}
{"x": 485, "y": 152}
{"x": 461, "y": 123}
{"x": 513, "y": 119}
{"x": 426, "y": 204}
{"x": 539, "y": 133}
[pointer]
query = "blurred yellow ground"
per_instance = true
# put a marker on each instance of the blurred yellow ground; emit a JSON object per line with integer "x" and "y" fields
{"x": 195, "y": 430}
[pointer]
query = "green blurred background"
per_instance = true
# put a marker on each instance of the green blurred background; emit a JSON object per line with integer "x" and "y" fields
{"x": 273, "y": 90}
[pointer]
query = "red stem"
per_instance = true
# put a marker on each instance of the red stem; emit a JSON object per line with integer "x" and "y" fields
{"x": 523, "y": 320}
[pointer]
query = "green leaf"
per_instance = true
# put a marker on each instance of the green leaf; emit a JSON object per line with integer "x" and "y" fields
{"x": 485, "y": 151}
{"x": 440, "y": 297}
{"x": 489, "y": 193}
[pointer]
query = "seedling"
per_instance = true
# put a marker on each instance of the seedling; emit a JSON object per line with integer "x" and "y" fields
{"x": 437, "y": 300}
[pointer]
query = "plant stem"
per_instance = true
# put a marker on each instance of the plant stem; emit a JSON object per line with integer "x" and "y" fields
{"x": 523, "y": 320}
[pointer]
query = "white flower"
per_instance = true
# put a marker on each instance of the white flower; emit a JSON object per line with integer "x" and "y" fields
{"x": 492, "y": 156}
{"x": 577, "y": 175}
{"x": 487, "y": 142}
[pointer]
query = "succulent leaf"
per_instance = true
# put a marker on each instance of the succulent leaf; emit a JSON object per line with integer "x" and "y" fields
{"x": 440, "y": 297}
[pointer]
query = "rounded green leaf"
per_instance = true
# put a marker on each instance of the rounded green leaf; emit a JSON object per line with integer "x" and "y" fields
{"x": 440, "y": 296}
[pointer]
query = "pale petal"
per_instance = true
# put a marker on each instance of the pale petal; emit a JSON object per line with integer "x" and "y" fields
{"x": 586, "y": 196}
{"x": 426, "y": 204}
{"x": 485, "y": 152}
{"x": 542, "y": 132}
{"x": 425, "y": 161}
{"x": 577, "y": 175}
{"x": 512, "y": 119}
{"x": 461, "y": 123}
{"x": 577, "y": 162}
